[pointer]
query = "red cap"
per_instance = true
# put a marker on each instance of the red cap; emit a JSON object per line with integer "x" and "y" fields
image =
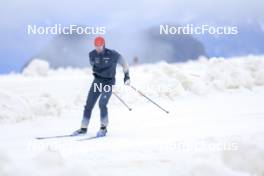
{"x": 99, "y": 41}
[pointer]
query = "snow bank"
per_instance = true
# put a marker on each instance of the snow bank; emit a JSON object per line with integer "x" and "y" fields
{"x": 42, "y": 91}
{"x": 13, "y": 108}
{"x": 40, "y": 68}
{"x": 16, "y": 108}
{"x": 194, "y": 76}
{"x": 199, "y": 77}
{"x": 36, "y": 67}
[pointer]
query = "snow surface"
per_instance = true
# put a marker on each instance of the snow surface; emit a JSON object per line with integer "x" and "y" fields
{"x": 215, "y": 125}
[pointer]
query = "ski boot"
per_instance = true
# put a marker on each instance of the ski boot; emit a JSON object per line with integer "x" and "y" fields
{"x": 80, "y": 131}
{"x": 102, "y": 132}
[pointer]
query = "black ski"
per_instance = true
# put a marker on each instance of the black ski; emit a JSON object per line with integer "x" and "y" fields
{"x": 60, "y": 136}
{"x": 90, "y": 138}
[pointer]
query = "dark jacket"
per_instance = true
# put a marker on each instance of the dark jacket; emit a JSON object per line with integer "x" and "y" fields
{"x": 104, "y": 64}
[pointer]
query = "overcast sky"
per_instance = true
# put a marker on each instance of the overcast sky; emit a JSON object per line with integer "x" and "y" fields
{"x": 119, "y": 16}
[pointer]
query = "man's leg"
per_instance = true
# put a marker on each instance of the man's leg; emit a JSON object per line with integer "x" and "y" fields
{"x": 105, "y": 96}
{"x": 90, "y": 102}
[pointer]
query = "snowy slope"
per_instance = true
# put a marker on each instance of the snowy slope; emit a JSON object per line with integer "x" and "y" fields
{"x": 215, "y": 124}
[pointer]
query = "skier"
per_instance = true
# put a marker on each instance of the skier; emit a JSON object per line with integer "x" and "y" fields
{"x": 103, "y": 62}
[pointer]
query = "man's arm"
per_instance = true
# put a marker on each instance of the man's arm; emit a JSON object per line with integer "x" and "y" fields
{"x": 123, "y": 63}
{"x": 91, "y": 59}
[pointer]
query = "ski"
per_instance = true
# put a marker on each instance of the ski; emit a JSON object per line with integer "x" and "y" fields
{"x": 90, "y": 138}
{"x": 60, "y": 136}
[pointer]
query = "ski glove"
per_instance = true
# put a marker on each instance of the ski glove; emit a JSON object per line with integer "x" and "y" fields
{"x": 126, "y": 79}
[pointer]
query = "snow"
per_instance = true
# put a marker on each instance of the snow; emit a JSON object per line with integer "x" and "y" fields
{"x": 37, "y": 67}
{"x": 215, "y": 124}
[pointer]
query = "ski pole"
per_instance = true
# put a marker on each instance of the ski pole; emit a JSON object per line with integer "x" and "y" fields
{"x": 148, "y": 99}
{"x": 122, "y": 101}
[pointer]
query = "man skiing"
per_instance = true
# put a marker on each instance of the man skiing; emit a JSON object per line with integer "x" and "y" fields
{"x": 103, "y": 62}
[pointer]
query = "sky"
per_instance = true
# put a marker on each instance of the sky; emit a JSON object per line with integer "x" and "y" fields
{"x": 122, "y": 17}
